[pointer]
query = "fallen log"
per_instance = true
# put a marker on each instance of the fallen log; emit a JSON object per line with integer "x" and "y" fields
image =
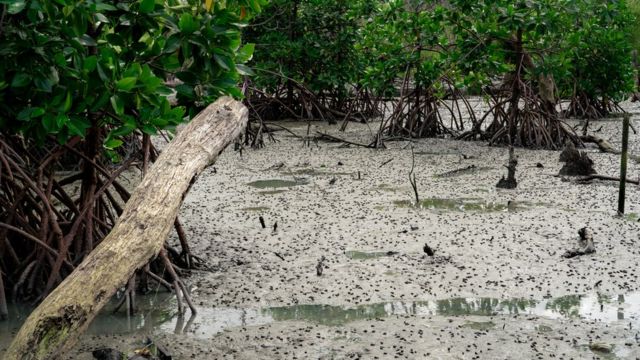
{"x": 602, "y": 144}
{"x": 138, "y": 237}
{"x": 605, "y": 177}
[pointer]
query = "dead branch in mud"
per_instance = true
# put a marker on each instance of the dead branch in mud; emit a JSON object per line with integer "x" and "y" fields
{"x": 589, "y": 178}
{"x": 412, "y": 177}
{"x": 137, "y": 238}
{"x": 456, "y": 171}
{"x": 603, "y": 144}
{"x": 331, "y": 138}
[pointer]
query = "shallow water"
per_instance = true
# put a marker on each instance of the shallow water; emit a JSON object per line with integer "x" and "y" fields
{"x": 472, "y": 169}
{"x": 158, "y": 313}
{"x": 316, "y": 172}
{"x": 593, "y": 307}
{"x": 362, "y": 255}
{"x": 256, "y": 208}
{"x": 468, "y": 204}
{"x": 453, "y": 205}
{"x": 277, "y": 183}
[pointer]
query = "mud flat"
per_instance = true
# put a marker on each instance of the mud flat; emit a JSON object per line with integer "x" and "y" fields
{"x": 497, "y": 286}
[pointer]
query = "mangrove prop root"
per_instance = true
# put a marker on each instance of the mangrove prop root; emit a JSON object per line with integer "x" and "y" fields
{"x": 510, "y": 182}
{"x": 55, "y": 325}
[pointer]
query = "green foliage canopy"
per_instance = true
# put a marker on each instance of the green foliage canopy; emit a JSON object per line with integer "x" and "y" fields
{"x": 69, "y": 65}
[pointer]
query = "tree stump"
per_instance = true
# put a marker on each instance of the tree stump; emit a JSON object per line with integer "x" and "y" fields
{"x": 585, "y": 244}
{"x": 577, "y": 163}
{"x": 138, "y": 237}
{"x": 510, "y": 182}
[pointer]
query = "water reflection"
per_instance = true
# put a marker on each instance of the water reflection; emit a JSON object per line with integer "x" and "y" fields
{"x": 277, "y": 183}
{"x": 595, "y": 307}
{"x": 462, "y": 204}
{"x": 158, "y": 313}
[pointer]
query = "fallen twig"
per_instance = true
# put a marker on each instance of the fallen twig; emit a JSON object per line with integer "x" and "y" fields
{"x": 331, "y": 138}
{"x": 605, "y": 177}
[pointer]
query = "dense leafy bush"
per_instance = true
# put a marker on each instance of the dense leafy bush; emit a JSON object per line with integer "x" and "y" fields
{"x": 71, "y": 65}
{"x": 308, "y": 46}
{"x": 598, "y": 56}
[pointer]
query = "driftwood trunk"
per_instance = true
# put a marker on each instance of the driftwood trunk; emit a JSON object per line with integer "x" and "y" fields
{"x": 54, "y": 327}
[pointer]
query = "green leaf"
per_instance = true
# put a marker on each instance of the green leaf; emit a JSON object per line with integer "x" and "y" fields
{"x": 224, "y": 61}
{"x": 149, "y": 129}
{"x": 164, "y": 90}
{"x": 49, "y": 123}
{"x": 87, "y": 40}
{"x": 100, "y": 102}
{"x": 117, "y": 104}
{"x": 61, "y": 120}
{"x": 101, "y": 73}
{"x": 101, "y": 18}
{"x": 16, "y": 6}
{"x": 245, "y": 53}
{"x": 20, "y": 80}
{"x": 127, "y": 128}
{"x": 187, "y": 24}
{"x": 172, "y": 44}
{"x": 255, "y": 5}
{"x": 36, "y": 112}
{"x": 147, "y": 6}
{"x": 100, "y": 6}
{"x": 244, "y": 70}
{"x": 185, "y": 91}
{"x": 112, "y": 143}
{"x": 67, "y": 102}
{"x": 43, "y": 84}
{"x": 126, "y": 84}
{"x": 23, "y": 115}
{"x": 75, "y": 129}
{"x": 90, "y": 63}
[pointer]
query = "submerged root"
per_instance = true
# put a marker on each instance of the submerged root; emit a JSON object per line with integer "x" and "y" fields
{"x": 52, "y": 218}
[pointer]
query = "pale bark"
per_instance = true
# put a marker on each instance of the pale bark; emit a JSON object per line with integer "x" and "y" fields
{"x": 54, "y": 327}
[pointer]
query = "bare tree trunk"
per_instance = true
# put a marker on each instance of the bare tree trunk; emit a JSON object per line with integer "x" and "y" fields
{"x": 4, "y": 312}
{"x": 54, "y": 327}
{"x": 636, "y": 65}
{"x": 516, "y": 90}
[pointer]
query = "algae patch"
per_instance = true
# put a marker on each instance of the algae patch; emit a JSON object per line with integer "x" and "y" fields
{"x": 479, "y": 325}
{"x": 271, "y": 192}
{"x": 471, "y": 169}
{"x": 361, "y": 255}
{"x": 632, "y": 217}
{"x": 471, "y": 204}
{"x": 277, "y": 183}
{"x": 460, "y": 204}
{"x": 256, "y": 208}
{"x": 315, "y": 172}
